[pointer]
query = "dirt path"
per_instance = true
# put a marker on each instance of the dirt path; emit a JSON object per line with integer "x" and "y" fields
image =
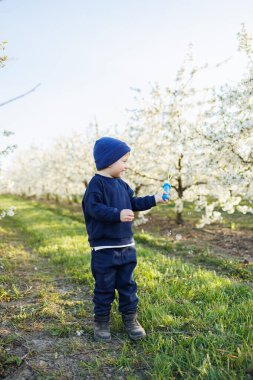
{"x": 46, "y": 325}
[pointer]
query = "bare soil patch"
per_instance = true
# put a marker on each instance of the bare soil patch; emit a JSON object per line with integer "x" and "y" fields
{"x": 221, "y": 241}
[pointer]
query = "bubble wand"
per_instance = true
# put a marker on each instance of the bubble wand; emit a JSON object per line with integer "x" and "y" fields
{"x": 166, "y": 188}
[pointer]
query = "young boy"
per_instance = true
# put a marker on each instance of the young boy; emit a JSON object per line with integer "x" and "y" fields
{"x": 108, "y": 204}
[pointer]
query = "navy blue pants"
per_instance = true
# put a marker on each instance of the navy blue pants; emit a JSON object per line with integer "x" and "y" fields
{"x": 112, "y": 268}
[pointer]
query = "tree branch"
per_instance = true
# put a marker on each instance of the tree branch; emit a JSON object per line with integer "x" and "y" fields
{"x": 144, "y": 175}
{"x": 194, "y": 184}
{"x": 20, "y": 96}
{"x": 240, "y": 157}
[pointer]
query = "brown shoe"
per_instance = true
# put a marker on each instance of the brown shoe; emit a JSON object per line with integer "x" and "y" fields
{"x": 133, "y": 327}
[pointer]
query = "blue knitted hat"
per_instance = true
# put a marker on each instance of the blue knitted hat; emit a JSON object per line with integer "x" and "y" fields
{"x": 108, "y": 150}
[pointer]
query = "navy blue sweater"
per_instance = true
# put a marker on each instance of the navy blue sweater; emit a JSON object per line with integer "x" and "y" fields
{"x": 102, "y": 202}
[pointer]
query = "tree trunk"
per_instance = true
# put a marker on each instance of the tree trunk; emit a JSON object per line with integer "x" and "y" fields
{"x": 180, "y": 191}
{"x": 179, "y": 218}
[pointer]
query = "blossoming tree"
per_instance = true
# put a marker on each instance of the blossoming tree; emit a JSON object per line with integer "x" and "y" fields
{"x": 5, "y": 150}
{"x": 198, "y": 139}
{"x": 230, "y": 130}
{"x": 164, "y": 131}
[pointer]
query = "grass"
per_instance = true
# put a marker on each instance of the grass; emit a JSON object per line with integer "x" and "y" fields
{"x": 198, "y": 256}
{"x": 196, "y": 308}
{"x": 235, "y": 221}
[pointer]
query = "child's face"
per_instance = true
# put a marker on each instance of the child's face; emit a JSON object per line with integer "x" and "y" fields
{"x": 118, "y": 167}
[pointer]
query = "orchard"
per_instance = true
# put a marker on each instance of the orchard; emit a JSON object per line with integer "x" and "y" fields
{"x": 198, "y": 139}
{"x": 195, "y": 253}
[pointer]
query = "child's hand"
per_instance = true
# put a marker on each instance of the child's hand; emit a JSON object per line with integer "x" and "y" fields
{"x": 126, "y": 215}
{"x": 159, "y": 198}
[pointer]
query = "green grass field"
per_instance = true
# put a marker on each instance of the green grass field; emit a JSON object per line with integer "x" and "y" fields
{"x": 197, "y": 308}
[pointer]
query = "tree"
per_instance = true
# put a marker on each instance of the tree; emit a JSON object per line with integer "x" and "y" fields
{"x": 200, "y": 139}
{"x": 61, "y": 171}
{"x": 164, "y": 131}
{"x": 9, "y": 148}
{"x": 5, "y": 183}
{"x": 230, "y": 131}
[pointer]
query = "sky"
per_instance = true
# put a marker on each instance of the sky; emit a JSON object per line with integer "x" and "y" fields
{"x": 88, "y": 54}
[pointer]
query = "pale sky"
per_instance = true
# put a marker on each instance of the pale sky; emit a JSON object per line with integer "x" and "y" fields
{"x": 87, "y": 54}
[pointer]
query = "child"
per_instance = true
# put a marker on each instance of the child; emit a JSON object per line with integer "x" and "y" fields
{"x": 108, "y": 204}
